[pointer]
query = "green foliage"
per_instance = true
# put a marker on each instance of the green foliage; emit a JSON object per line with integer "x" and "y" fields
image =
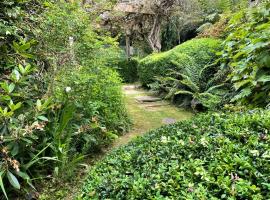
{"x": 159, "y": 65}
{"x": 194, "y": 87}
{"x": 58, "y": 100}
{"x": 220, "y": 6}
{"x": 87, "y": 74}
{"x": 128, "y": 70}
{"x": 246, "y": 53}
{"x": 23, "y": 118}
{"x": 24, "y": 108}
{"x": 203, "y": 50}
{"x": 183, "y": 80}
{"x": 198, "y": 52}
{"x": 213, "y": 156}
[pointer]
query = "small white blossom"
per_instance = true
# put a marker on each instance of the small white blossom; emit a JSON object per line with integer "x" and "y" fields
{"x": 68, "y": 89}
{"x": 164, "y": 139}
{"x": 204, "y": 142}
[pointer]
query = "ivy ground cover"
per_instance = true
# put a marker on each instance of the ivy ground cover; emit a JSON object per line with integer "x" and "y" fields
{"x": 213, "y": 156}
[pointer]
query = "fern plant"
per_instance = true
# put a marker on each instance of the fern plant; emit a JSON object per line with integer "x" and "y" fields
{"x": 193, "y": 87}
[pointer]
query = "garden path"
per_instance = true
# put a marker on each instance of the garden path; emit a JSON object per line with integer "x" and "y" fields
{"x": 147, "y": 112}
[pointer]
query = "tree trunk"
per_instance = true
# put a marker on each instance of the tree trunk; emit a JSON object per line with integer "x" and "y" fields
{"x": 154, "y": 36}
{"x": 128, "y": 33}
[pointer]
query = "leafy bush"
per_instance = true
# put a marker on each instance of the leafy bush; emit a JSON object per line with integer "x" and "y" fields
{"x": 196, "y": 52}
{"x": 23, "y": 119}
{"x": 247, "y": 54}
{"x": 24, "y": 109}
{"x": 216, "y": 30}
{"x": 57, "y": 100}
{"x": 196, "y": 88}
{"x": 95, "y": 87}
{"x": 188, "y": 84}
{"x": 203, "y": 50}
{"x": 160, "y": 64}
{"x": 213, "y": 156}
{"x": 128, "y": 70}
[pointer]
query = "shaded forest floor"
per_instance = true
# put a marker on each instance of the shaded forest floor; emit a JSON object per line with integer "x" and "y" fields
{"x": 146, "y": 111}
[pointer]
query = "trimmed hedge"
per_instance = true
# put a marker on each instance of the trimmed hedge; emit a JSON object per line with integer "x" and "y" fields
{"x": 214, "y": 156}
{"x": 128, "y": 70}
{"x": 199, "y": 52}
{"x": 202, "y": 50}
{"x": 159, "y": 64}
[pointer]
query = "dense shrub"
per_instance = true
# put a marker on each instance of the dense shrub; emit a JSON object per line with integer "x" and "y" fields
{"x": 95, "y": 87}
{"x": 128, "y": 70}
{"x": 203, "y": 50}
{"x": 247, "y": 55}
{"x": 216, "y": 30}
{"x": 213, "y": 156}
{"x": 24, "y": 108}
{"x": 197, "y": 52}
{"x": 160, "y": 64}
{"x": 58, "y": 99}
{"x": 197, "y": 88}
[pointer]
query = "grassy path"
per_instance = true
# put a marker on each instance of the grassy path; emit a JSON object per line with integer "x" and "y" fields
{"x": 148, "y": 115}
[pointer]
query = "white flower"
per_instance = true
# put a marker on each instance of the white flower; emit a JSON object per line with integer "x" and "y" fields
{"x": 204, "y": 142}
{"x": 68, "y": 89}
{"x": 164, "y": 139}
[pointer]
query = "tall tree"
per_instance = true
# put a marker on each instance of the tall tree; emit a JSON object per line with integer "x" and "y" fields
{"x": 161, "y": 9}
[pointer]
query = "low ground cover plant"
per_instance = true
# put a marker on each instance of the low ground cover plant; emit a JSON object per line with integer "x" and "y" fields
{"x": 213, "y": 156}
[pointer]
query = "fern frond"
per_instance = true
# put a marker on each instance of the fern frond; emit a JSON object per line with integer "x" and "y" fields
{"x": 183, "y": 92}
{"x": 244, "y": 93}
{"x": 211, "y": 89}
{"x": 187, "y": 82}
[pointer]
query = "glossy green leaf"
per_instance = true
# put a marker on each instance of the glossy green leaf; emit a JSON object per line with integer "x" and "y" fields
{"x": 2, "y": 173}
{"x": 13, "y": 180}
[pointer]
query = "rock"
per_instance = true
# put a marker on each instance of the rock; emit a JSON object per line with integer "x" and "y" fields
{"x": 169, "y": 121}
{"x": 144, "y": 99}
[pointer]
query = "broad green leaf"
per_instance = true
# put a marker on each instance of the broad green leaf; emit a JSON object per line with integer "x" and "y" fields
{"x": 5, "y": 87}
{"x": 28, "y": 68}
{"x": 13, "y": 180}
{"x": 66, "y": 116}
{"x": 43, "y": 118}
{"x": 23, "y": 175}
{"x": 11, "y": 88}
{"x": 14, "y": 107}
{"x": 21, "y": 68}
{"x": 15, "y": 149}
{"x": 2, "y": 184}
{"x": 39, "y": 105}
{"x": 16, "y": 75}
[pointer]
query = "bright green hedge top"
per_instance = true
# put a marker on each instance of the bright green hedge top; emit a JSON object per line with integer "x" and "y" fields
{"x": 203, "y": 50}
{"x": 213, "y": 156}
{"x": 199, "y": 52}
{"x": 160, "y": 64}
